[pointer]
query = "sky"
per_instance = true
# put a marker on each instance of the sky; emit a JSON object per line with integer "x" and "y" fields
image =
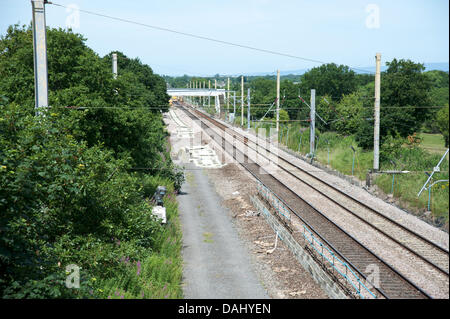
{"x": 346, "y": 32}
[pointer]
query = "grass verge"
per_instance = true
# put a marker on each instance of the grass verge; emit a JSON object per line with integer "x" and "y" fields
{"x": 158, "y": 274}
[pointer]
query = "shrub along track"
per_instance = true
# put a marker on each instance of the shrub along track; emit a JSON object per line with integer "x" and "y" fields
{"x": 392, "y": 283}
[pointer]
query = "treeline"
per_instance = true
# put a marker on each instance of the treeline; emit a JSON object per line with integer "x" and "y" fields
{"x": 412, "y": 100}
{"x": 75, "y": 182}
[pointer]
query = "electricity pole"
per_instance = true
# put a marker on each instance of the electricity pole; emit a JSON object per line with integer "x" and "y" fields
{"x": 313, "y": 122}
{"x": 248, "y": 109}
{"x": 278, "y": 101}
{"x": 234, "y": 103}
{"x": 203, "y": 97}
{"x": 228, "y": 96}
{"x": 242, "y": 101}
{"x": 40, "y": 55}
{"x": 114, "y": 65}
{"x": 376, "y": 129}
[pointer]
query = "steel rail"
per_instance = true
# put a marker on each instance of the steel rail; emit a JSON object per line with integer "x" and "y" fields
{"x": 413, "y": 289}
{"x": 358, "y": 202}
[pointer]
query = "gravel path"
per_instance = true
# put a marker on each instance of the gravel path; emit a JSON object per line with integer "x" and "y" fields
{"x": 279, "y": 273}
{"x": 217, "y": 265}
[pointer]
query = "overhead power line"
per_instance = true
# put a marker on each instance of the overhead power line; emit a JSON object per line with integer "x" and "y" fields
{"x": 203, "y": 37}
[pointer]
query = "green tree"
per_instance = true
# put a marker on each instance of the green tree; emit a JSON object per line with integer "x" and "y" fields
{"x": 404, "y": 92}
{"x": 289, "y": 98}
{"x": 443, "y": 124}
{"x": 439, "y": 79}
{"x": 66, "y": 190}
{"x": 284, "y": 117}
{"x": 122, "y": 114}
{"x": 350, "y": 110}
{"x": 263, "y": 94}
{"x": 329, "y": 79}
{"x": 438, "y": 97}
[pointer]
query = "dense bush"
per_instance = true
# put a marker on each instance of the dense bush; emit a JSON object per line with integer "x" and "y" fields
{"x": 75, "y": 182}
{"x": 58, "y": 197}
{"x": 123, "y": 114}
{"x": 350, "y": 110}
{"x": 442, "y": 123}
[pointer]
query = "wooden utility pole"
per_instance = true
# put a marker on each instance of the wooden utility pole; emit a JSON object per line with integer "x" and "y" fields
{"x": 40, "y": 55}
{"x": 278, "y": 102}
{"x": 242, "y": 101}
{"x": 376, "y": 129}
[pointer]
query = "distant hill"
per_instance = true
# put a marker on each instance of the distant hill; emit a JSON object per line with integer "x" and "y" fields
{"x": 441, "y": 66}
{"x": 437, "y": 66}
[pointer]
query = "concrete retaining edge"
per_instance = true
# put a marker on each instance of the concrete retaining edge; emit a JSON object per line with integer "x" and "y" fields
{"x": 330, "y": 287}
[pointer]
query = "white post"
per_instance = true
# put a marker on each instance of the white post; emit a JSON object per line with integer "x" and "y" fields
{"x": 242, "y": 101}
{"x": 40, "y": 55}
{"x": 228, "y": 96}
{"x": 248, "y": 109}
{"x": 209, "y": 96}
{"x": 114, "y": 65}
{"x": 278, "y": 101}
{"x": 313, "y": 122}
{"x": 376, "y": 129}
{"x": 216, "y": 97}
{"x": 234, "y": 103}
{"x": 203, "y": 97}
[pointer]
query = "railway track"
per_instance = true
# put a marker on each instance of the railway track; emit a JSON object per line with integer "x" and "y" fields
{"x": 392, "y": 283}
{"x": 434, "y": 255}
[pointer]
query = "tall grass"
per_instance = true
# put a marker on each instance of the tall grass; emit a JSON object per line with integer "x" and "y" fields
{"x": 159, "y": 274}
{"x": 407, "y": 186}
{"x": 335, "y": 150}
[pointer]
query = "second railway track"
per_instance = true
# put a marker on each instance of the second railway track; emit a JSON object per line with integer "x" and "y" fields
{"x": 423, "y": 248}
{"x": 433, "y": 254}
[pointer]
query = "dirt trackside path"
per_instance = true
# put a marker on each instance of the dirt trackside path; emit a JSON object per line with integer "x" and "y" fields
{"x": 216, "y": 263}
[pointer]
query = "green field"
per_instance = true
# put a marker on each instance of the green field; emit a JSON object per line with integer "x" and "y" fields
{"x": 432, "y": 142}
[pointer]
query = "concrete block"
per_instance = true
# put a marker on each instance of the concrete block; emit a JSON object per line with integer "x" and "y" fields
{"x": 160, "y": 212}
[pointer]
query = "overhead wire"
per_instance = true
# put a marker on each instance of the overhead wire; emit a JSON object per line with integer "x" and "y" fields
{"x": 204, "y": 37}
